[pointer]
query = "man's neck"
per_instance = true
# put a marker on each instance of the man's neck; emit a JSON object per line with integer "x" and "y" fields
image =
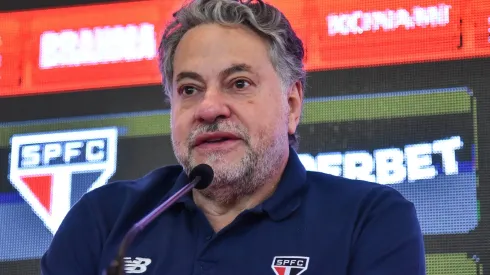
{"x": 220, "y": 215}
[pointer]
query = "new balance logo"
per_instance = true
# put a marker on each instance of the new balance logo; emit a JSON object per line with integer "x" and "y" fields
{"x": 138, "y": 265}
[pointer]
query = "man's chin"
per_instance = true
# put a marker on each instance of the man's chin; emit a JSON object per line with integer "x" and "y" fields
{"x": 218, "y": 164}
{"x": 217, "y": 157}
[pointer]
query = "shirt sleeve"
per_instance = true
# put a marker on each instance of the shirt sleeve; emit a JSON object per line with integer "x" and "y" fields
{"x": 388, "y": 238}
{"x": 76, "y": 245}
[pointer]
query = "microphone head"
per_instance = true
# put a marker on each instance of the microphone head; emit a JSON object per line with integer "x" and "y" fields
{"x": 205, "y": 172}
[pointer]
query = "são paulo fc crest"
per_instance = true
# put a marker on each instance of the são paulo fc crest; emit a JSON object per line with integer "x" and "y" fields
{"x": 52, "y": 171}
{"x": 290, "y": 265}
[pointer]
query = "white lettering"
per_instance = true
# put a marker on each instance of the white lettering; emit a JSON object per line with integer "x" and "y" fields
{"x": 419, "y": 162}
{"x": 72, "y": 149}
{"x": 402, "y": 18}
{"x": 391, "y": 165}
{"x": 330, "y": 163}
{"x": 30, "y": 155}
{"x": 359, "y": 22}
{"x": 51, "y": 151}
{"x": 68, "y": 54}
{"x": 359, "y": 165}
{"x": 147, "y": 43}
{"x": 99, "y": 45}
{"x": 383, "y": 20}
{"x": 48, "y": 50}
{"x": 72, "y": 152}
{"x": 86, "y": 49}
{"x": 95, "y": 150}
{"x": 352, "y": 23}
{"x": 447, "y": 148}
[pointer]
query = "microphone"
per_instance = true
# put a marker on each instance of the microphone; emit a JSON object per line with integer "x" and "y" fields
{"x": 200, "y": 178}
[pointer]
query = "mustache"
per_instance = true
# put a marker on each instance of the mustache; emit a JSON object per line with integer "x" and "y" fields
{"x": 219, "y": 126}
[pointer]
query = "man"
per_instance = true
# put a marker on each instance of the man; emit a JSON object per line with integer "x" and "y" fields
{"x": 234, "y": 76}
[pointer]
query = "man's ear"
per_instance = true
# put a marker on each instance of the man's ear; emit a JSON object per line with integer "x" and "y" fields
{"x": 295, "y": 102}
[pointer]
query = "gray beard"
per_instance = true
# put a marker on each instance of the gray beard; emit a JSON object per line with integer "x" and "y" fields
{"x": 233, "y": 181}
{"x": 239, "y": 179}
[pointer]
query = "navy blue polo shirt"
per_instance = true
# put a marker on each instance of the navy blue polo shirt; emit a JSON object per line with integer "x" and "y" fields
{"x": 314, "y": 223}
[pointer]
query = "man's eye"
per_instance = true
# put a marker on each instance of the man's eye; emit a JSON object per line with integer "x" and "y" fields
{"x": 188, "y": 90}
{"x": 241, "y": 84}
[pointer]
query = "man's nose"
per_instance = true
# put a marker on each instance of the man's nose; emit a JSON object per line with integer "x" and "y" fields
{"x": 213, "y": 106}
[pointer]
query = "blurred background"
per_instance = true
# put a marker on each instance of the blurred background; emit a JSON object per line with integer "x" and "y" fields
{"x": 398, "y": 93}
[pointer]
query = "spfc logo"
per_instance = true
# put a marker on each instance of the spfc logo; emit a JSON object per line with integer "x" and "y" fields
{"x": 52, "y": 171}
{"x": 290, "y": 265}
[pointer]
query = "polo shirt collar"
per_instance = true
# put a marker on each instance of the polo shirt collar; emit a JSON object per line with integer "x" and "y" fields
{"x": 283, "y": 202}
{"x": 186, "y": 200}
{"x": 289, "y": 192}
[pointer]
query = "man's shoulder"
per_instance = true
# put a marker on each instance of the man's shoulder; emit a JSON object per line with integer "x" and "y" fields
{"x": 97, "y": 223}
{"x": 118, "y": 198}
{"x": 372, "y": 220}
{"x": 162, "y": 178}
{"x": 355, "y": 205}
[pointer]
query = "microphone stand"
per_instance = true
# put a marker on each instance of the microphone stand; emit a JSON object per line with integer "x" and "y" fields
{"x": 117, "y": 266}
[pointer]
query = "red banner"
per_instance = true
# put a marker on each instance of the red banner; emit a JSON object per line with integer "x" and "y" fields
{"x": 482, "y": 27}
{"x": 116, "y": 45}
{"x": 355, "y": 33}
{"x": 10, "y": 51}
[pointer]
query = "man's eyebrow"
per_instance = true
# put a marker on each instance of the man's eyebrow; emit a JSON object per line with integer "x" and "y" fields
{"x": 191, "y": 75}
{"x": 235, "y": 68}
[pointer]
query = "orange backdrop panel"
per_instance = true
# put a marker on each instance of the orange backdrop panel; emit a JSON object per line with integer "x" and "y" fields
{"x": 115, "y": 45}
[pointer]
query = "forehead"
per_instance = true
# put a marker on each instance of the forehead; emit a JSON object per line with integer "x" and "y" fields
{"x": 213, "y": 47}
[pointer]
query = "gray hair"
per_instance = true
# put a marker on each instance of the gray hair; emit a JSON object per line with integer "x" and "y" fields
{"x": 286, "y": 49}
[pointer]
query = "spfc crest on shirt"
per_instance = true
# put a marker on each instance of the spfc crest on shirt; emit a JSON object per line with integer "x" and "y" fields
{"x": 290, "y": 265}
{"x": 52, "y": 171}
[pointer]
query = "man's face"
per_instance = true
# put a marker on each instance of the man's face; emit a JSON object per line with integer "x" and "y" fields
{"x": 229, "y": 109}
